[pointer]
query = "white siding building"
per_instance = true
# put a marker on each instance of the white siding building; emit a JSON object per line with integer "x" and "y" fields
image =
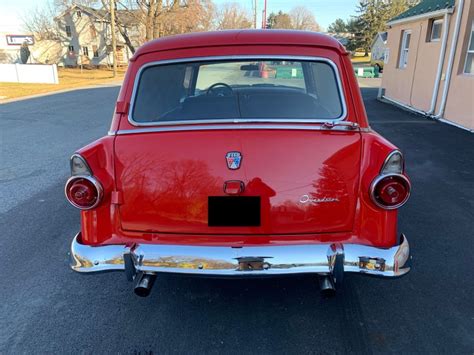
{"x": 85, "y": 36}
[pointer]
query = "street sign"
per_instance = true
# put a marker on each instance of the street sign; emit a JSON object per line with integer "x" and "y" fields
{"x": 18, "y": 40}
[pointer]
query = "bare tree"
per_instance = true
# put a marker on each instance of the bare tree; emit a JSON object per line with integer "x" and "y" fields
{"x": 163, "y": 18}
{"x": 126, "y": 17}
{"x": 157, "y": 18}
{"x": 151, "y": 10}
{"x": 303, "y": 19}
{"x": 40, "y": 22}
{"x": 233, "y": 16}
{"x": 62, "y": 5}
{"x": 187, "y": 16}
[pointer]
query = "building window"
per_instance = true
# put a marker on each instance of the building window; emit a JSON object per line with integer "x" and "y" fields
{"x": 469, "y": 66}
{"x": 93, "y": 31}
{"x": 436, "y": 28}
{"x": 70, "y": 48}
{"x": 85, "y": 51}
{"x": 68, "y": 31}
{"x": 405, "y": 46}
{"x": 96, "y": 51}
{"x": 78, "y": 14}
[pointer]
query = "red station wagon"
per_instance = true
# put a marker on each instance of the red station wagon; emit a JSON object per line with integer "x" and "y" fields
{"x": 239, "y": 153}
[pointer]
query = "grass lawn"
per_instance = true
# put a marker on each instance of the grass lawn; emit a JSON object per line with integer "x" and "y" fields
{"x": 68, "y": 78}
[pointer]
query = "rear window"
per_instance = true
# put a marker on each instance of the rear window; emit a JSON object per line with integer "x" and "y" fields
{"x": 247, "y": 90}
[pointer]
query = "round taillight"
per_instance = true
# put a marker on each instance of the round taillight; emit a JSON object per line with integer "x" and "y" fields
{"x": 83, "y": 192}
{"x": 390, "y": 191}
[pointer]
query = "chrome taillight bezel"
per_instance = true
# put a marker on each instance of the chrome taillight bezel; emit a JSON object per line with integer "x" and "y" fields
{"x": 379, "y": 178}
{"x": 76, "y": 156}
{"x": 94, "y": 181}
{"x": 387, "y": 160}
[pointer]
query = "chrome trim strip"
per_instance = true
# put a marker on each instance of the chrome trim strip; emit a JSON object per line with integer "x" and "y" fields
{"x": 93, "y": 180}
{"x": 377, "y": 180}
{"x": 396, "y": 151}
{"x": 233, "y": 127}
{"x": 234, "y": 57}
{"x": 333, "y": 124}
{"x": 80, "y": 157}
{"x": 225, "y": 261}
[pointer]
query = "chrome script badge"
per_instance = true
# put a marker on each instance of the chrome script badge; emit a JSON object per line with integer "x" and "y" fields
{"x": 307, "y": 199}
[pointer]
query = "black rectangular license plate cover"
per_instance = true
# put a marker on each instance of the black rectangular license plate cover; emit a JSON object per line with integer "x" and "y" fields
{"x": 234, "y": 211}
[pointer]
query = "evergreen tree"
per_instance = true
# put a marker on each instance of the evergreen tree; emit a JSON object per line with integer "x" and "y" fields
{"x": 373, "y": 17}
{"x": 354, "y": 26}
{"x": 280, "y": 20}
{"x": 338, "y": 26}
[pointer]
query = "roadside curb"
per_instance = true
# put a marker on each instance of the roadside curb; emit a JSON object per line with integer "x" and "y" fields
{"x": 6, "y": 101}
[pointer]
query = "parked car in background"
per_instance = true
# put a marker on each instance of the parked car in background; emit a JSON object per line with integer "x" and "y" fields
{"x": 240, "y": 153}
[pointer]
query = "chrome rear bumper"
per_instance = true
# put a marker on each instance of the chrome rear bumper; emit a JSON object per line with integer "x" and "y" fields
{"x": 241, "y": 261}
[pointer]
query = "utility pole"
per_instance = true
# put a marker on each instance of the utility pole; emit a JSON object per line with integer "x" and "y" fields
{"x": 264, "y": 15}
{"x": 114, "y": 43}
{"x": 255, "y": 4}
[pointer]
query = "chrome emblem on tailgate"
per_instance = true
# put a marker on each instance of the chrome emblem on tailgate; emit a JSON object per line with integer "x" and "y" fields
{"x": 233, "y": 160}
{"x": 308, "y": 199}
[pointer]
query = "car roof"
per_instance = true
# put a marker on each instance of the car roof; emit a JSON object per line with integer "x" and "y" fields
{"x": 241, "y": 37}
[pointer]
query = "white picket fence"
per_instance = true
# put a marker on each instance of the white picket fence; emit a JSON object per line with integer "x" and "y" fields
{"x": 29, "y": 73}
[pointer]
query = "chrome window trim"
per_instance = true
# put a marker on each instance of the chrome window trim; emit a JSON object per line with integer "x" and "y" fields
{"x": 198, "y": 127}
{"x": 236, "y": 57}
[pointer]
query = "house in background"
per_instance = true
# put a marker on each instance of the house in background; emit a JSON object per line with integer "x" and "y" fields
{"x": 378, "y": 49}
{"x": 430, "y": 64}
{"x": 85, "y": 36}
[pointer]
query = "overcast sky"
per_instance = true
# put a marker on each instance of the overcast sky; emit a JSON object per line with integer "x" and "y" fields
{"x": 325, "y": 11}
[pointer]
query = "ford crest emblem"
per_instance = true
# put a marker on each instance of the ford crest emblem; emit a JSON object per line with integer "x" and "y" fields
{"x": 233, "y": 160}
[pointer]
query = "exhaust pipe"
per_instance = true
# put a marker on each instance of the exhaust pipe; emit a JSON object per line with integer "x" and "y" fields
{"x": 327, "y": 286}
{"x": 144, "y": 284}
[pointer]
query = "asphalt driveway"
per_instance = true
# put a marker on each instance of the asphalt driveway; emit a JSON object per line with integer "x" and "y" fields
{"x": 45, "y": 307}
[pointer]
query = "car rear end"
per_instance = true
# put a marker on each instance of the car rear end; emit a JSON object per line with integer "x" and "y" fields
{"x": 240, "y": 160}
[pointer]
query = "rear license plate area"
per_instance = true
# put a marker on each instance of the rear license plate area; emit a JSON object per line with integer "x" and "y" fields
{"x": 233, "y": 211}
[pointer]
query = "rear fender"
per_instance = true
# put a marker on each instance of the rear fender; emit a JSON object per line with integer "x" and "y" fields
{"x": 377, "y": 225}
{"x": 99, "y": 157}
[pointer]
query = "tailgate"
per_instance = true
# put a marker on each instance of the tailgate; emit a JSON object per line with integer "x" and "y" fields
{"x": 306, "y": 180}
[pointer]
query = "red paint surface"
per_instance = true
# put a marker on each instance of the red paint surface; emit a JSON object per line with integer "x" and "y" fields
{"x": 160, "y": 181}
{"x": 166, "y": 179}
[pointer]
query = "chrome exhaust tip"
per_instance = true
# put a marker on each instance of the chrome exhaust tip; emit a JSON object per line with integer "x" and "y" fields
{"x": 326, "y": 286}
{"x": 144, "y": 284}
